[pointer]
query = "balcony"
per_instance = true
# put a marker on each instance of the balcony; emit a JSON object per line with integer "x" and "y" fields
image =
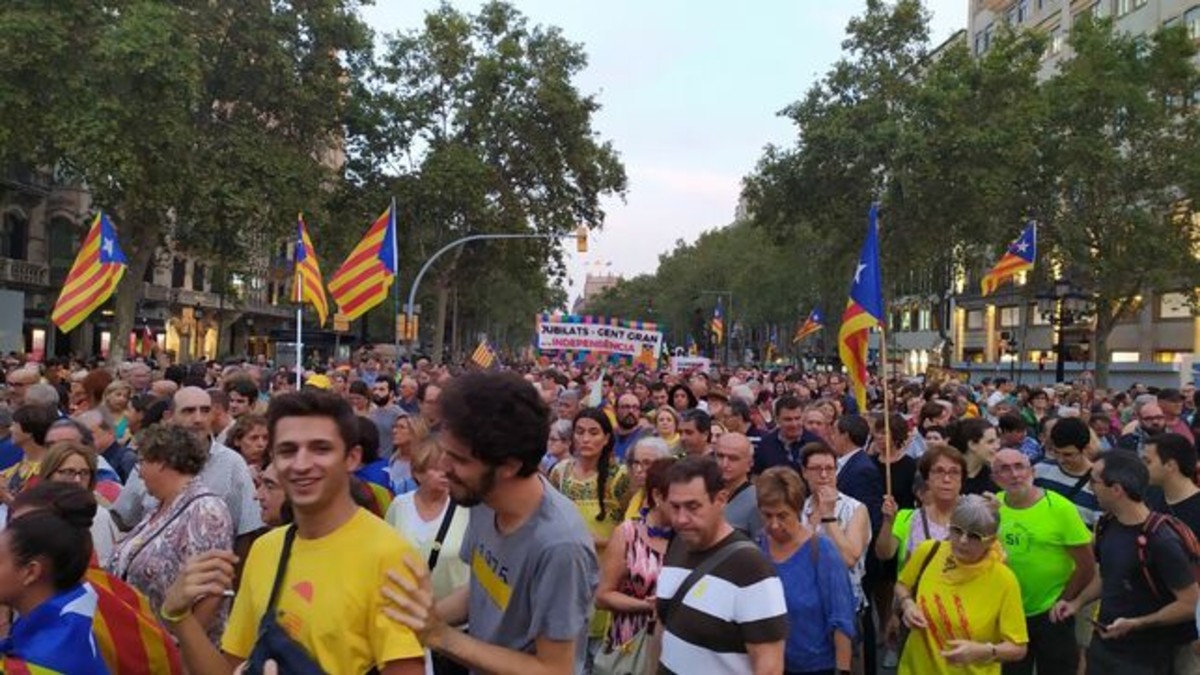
{"x": 156, "y": 293}
{"x": 996, "y": 6}
{"x": 189, "y": 298}
{"x": 258, "y": 306}
{"x": 24, "y": 273}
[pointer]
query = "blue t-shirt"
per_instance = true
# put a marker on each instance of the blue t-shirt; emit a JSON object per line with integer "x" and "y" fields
{"x": 819, "y": 601}
{"x": 10, "y": 454}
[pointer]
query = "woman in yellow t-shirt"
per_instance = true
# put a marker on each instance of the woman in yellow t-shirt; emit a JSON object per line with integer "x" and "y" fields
{"x": 960, "y": 601}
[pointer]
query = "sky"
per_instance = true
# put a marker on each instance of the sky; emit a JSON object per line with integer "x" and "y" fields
{"x": 690, "y": 92}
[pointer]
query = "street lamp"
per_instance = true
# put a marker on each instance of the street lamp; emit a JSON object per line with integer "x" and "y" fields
{"x": 1064, "y": 305}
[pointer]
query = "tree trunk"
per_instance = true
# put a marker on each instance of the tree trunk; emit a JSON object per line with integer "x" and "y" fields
{"x": 439, "y": 319}
{"x": 129, "y": 291}
{"x": 455, "y": 346}
{"x": 1104, "y": 328}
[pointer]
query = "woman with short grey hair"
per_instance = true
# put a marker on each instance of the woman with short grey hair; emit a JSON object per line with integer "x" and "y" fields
{"x": 960, "y": 601}
{"x": 645, "y": 452}
{"x": 558, "y": 445}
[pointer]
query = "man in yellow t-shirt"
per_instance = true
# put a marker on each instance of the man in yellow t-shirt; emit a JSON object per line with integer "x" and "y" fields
{"x": 334, "y": 615}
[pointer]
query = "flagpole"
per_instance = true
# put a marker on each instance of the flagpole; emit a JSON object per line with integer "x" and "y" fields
{"x": 887, "y": 409}
{"x": 299, "y": 346}
{"x": 396, "y": 284}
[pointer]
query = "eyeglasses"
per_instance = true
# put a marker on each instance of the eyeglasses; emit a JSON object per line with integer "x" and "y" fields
{"x": 74, "y": 474}
{"x": 959, "y": 533}
{"x": 821, "y": 469}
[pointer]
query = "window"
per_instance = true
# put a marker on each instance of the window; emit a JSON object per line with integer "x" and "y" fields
{"x": 1036, "y": 318}
{"x": 198, "y": 272}
{"x": 924, "y": 319}
{"x": 1168, "y": 357}
{"x": 178, "y": 270}
{"x": 1126, "y": 6}
{"x": 1022, "y": 10}
{"x": 14, "y": 236}
{"x": 1056, "y": 41}
{"x": 906, "y": 320}
{"x": 1010, "y": 317}
{"x": 1191, "y": 21}
{"x": 1174, "y": 306}
{"x": 975, "y": 319}
{"x": 1102, "y": 9}
{"x": 1125, "y": 357}
{"x": 979, "y": 48}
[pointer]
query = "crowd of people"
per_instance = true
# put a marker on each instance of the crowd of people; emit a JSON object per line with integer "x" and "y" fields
{"x": 583, "y": 518}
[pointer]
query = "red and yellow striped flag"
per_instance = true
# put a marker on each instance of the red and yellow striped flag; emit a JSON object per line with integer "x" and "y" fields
{"x": 364, "y": 279}
{"x": 129, "y": 636}
{"x": 92, "y": 278}
{"x": 308, "y": 283}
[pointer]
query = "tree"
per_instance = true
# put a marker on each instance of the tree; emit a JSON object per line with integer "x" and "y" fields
{"x": 200, "y": 125}
{"x": 480, "y": 115}
{"x": 1124, "y": 154}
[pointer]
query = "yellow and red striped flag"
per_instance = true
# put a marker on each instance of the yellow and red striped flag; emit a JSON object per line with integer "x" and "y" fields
{"x": 128, "y": 634}
{"x": 814, "y": 323}
{"x": 864, "y": 311}
{"x": 93, "y": 277}
{"x": 484, "y": 356}
{"x": 1019, "y": 257}
{"x": 364, "y": 279}
{"x": 308, "y": 282}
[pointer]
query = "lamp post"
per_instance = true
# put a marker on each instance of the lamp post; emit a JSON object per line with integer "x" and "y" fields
{"x": 1064, "y": 305}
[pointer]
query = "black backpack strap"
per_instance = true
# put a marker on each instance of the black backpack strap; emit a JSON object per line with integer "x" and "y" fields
{"x": 288, "y": 538}
{"x": 436, "y": 550}
{"x": 708, "y": 565}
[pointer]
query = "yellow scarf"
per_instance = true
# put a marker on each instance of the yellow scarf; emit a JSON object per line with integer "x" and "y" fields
{"x": 956, "y": 572}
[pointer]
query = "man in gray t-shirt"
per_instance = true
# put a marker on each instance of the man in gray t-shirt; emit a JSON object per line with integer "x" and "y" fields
{"x": 533, "y": 564}
{"x": 538, "y": 581}
{"x": 735, "y": 456}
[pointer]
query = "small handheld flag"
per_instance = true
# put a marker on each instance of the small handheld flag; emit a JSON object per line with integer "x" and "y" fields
{"x": 364, "y": 279}
{"x": 1019, "y": 257}
{"x": 307, "y": 284}
{"x": 93, "y": 277}
{"x": 864, "y": 310}
{"x": 814, "y": 323}
{"x": 484, "y": 356}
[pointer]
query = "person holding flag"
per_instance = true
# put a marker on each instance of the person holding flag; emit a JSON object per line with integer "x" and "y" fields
{"x": 864, "y": 311}
{"x": 93, "y": 277}
{"x": 814, "y": 323}
{"x": 1019, "y": 257}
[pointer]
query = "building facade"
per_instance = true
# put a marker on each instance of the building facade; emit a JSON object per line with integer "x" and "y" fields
{"x": 186, "y": 309}
{"x": 944, "y": 321}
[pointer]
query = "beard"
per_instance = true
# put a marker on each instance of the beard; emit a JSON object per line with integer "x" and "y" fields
{"x": 381, "y": 400}
{"x": 628, "y": 422}
{"x": 467, "y": 497}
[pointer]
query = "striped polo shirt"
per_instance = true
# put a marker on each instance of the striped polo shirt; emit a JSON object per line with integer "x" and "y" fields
{"x": 740, "y": 601}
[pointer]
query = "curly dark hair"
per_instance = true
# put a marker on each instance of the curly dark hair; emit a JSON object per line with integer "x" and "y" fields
{"x": 499, "y": 416}
{"x": 174, "y": 446}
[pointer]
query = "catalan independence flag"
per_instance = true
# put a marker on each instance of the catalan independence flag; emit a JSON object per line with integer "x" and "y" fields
{"x": 308, "y": 283}
{"x": 364, "y": 279}
{"x": 484, "y": 356}
{"x": 718, "y": 323}
{"x": 814, "y": 323}
{"x": 864, "y": 310}
{"x": 93, "y": 277}
{"x": 1018, "y": 258}
{"x": 130, "y": 638}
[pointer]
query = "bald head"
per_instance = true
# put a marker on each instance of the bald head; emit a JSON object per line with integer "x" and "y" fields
{"x": 735, "y": 457}
{"x": 191, "y": 408}
{"x": 164, "y": 389}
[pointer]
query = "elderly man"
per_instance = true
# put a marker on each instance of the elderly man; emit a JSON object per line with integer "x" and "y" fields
{"x": 1150, "y": 422}
{"x": 1049, "y": 549}
{"x": 225, "y": 472}
{"x": 735, "y": 456}
{"x": 138, "y": 376}
{"x": 19, "y": 382}
{"x": 164, "y": 389}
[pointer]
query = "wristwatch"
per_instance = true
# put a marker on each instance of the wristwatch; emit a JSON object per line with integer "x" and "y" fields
{"x": 829, "y": 519}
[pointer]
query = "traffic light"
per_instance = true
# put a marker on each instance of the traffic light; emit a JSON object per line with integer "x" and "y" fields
{"x": 581, "y": 234}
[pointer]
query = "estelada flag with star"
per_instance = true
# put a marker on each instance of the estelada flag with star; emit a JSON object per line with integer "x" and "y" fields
{"x": 864, "y": 310}
{"x": 1018, "y": 258}
{"x": 93, "y": 277}
{"x": 814, "y": 323}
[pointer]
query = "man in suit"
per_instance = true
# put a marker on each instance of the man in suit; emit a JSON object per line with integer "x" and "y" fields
{"x": 858, "y": 477}
{"x": 782, "y": 446}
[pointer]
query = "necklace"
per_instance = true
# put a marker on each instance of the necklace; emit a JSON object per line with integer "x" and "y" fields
{"x": 653, "y": 531}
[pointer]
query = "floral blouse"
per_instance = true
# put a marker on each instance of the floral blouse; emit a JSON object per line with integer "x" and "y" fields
{"x": 154, "y": 552}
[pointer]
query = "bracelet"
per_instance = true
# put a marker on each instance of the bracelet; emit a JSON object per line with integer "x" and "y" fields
{"x": 829, "y": 520}
{"x": 175, "y": 618}
{"x": 994, "y": 655}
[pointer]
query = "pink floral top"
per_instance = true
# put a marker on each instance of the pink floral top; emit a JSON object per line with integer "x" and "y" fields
{"x": 643, "y": 564}
{"x": 153, "y": 554}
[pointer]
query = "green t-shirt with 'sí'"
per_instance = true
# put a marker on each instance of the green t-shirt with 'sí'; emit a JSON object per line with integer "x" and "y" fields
{"x": 1035, "y": 540}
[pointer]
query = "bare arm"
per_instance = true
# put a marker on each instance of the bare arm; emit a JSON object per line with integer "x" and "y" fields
{"x": 766, "y": 658}
{"x": 199, "y": 654}
{"x": 1181, "y": 610}
{"x": 404, "y": 667}
{"x": 843, "y": 650}
{"x": 550, "y": 657}
{"x": 1085, "y": 570}
{"x": 612, "y": 573}
{"x": 886, "y": 544}
{"x": 453, "y": 607}
{"x": 852, "y": 541}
